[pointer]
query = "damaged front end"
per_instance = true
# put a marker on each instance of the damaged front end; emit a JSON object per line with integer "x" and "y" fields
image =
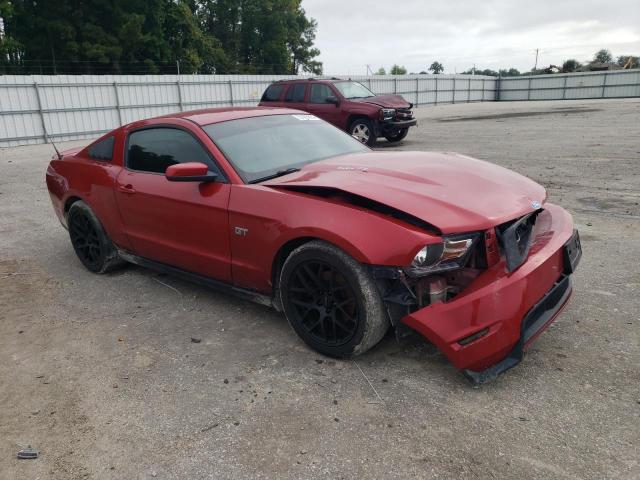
{"x": 441, "y": 271}
{"x": 438, "y": 273}
{"x": 509, "y": 286}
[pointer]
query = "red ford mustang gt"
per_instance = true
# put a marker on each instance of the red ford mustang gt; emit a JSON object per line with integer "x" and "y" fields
{"x": 287, "y": 210}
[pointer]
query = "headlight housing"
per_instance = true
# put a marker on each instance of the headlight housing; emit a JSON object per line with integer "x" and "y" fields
{"x": 387, "y": 113}
{"x": 450, "y": 254}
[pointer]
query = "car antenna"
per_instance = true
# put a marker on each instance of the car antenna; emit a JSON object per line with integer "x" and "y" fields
{"x": 54, "y": 146}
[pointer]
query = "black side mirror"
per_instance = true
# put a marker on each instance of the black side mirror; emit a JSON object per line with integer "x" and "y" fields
{"x": 333, "y": 99}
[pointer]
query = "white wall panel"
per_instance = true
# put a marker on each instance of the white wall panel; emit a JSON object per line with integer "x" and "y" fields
{"x": 572, "y": 86}
{"x": 83, "y": 106}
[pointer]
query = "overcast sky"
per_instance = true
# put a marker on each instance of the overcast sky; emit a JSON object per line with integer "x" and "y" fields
{"x": 458, "y": 33}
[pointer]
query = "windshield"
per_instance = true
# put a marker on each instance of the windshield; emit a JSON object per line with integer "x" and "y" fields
{"x": 263, "y": 147}
{"x": 353, "y": 90}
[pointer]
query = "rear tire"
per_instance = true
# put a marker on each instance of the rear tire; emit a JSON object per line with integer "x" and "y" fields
{"x": 331, "y": 301}
{"x": 90, "y": 242}
{"x": 362, "y": 129}
{"x": 397, "y": 136}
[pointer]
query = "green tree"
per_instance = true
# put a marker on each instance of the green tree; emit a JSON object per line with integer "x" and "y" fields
{"x": 487, "y": 71}
{"x": 301, "y": 35}
{"x": 260, "y": 36}
{"x": 150, "y": 36}
{"x": 381, "y": 71}
{"x": 436, "y": 68}
{"x": 603, "y": 56}
{"x": 398, "y": 70}
{"x": 571, "y": 65}
{"x": 624, "y": 59}
{"x": 9, "y": 47}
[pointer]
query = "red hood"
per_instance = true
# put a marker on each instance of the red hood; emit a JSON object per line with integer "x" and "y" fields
{"x": 385, "y": 101}
{"x": 453, "y": 192}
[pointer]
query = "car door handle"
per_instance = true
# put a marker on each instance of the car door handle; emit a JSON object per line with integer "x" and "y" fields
{"x": 128, "y": 188}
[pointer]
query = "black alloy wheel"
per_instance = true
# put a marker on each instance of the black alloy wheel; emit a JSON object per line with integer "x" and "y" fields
{"x": 331, "y": 300}
{"x": 85, "y": 241}
{"x": 324, "y": 303}
{"x": 90, "y": 241}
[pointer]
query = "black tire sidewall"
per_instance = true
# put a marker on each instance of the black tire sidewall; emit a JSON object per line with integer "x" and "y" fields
{"x": 370, "y": 126}
{"x": 396, "y": 138}
{"x": 336, "y": 262}
{"x": 106, "y": 247}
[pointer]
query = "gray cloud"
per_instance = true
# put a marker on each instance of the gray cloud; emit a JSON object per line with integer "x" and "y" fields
{"x": 491, "y": 33}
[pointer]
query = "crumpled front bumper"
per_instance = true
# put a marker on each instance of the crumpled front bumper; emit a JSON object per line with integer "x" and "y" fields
{"x": 505, "y": 310}
{"x": 395, "y": 125}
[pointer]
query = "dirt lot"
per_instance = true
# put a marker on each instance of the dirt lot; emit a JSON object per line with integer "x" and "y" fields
{"x": 100, "y": 373}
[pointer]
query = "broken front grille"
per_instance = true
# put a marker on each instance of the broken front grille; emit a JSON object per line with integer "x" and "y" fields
{"x": 404, "y": 114}
{"x": 515, "y": 239}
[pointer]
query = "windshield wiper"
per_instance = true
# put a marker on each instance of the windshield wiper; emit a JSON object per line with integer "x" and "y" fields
{"x": 279, "y": 173}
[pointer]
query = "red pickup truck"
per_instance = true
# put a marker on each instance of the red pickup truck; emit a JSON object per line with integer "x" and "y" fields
{"x": 346, "y": 104}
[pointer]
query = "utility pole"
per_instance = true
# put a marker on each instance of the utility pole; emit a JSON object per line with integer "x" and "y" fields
{"x": 369, "y": 71}
{"x": 535, "y": 67}
{"x": 178, "y": 66}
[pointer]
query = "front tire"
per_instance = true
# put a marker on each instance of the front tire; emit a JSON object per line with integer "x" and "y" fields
{"x": 331, "y": 301}
{"x": 362, "y": 130}
{"x": 90, "y": 242}
{"x": 397, "y": 135}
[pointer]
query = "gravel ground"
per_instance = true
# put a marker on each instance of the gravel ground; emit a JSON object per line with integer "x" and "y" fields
{"x": 101, "y": 375}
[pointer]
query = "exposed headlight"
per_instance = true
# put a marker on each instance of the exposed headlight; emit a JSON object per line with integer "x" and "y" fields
{"x": 387, "y": 113}
{"x": 438, "y": 257}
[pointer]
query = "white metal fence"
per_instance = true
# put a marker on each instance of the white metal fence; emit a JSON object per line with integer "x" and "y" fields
{"x": 70, "y": 107}
{"x": 571, "y": 86}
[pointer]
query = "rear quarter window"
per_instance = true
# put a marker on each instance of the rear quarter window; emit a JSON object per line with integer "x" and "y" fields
{"x": 102, "y": 150}
{"x": 272, "y": 93}
{"x": 295, "y": 93}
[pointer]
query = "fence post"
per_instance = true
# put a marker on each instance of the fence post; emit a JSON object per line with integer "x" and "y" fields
{"x": 468, "y": 90}
{"x": 453, "y": 97}
{"x": 497, "y": 86}
{"x": 44, "y": 127}
{"x": 179, "y": 93}
{"x": 529, "y": 89}
{"x": 395, "y": 85}
{"x": 436, "y": 89}
{"x": 564, "y": 87}
{"x": 483, "y": 82}
{"x": 417, "y": 91}
{"x": 230, "y": 92}
{"x": 604, "y": 83}
{"x": 115, "y": 88}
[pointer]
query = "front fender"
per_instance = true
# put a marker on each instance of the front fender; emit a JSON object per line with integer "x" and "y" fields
{"x": 269, "y": 218}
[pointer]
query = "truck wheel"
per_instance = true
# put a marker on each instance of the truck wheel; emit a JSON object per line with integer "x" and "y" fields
{"x": 397, "y": 135}
{"x": 331, "y": 301}
{"x": 90, "y": 242}
{"x": 362, "y": 129}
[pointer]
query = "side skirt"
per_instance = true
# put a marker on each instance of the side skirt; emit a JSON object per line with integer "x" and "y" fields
{"x": 223, "y": 287}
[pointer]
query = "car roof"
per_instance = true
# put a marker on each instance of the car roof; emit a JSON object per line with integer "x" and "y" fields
{"x": 318, "y": 80}
{"x": 215, "y": 115}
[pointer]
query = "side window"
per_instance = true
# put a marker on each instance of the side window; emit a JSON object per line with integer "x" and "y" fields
{"x": 102, "y": 150}
{"x": 295, "y": 93}
{"x": 155, "y": 149}
{"x": 320, "y": 92}
{"x": 272, "y": 94}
